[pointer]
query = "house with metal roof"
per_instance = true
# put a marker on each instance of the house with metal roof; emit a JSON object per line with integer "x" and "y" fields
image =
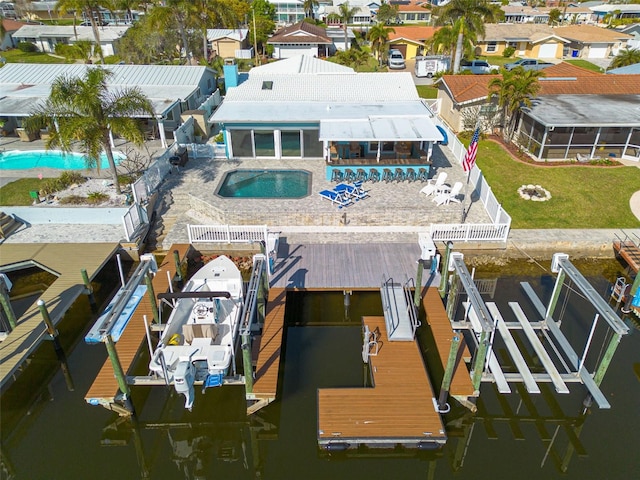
{"x": 46, "y": 37}
{"x": 577, "y": 113}
{"x": 228, "y": 42}
{"x": 349, "y": 119}
{"x": 171, "y": 90}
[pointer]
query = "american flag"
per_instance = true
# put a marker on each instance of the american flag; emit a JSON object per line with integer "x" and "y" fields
{"x": 470, "y": 157}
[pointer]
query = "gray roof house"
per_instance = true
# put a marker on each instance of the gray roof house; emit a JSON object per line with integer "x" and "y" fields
{"x": 344, "y": 118}
{"x": 171, "y": 89}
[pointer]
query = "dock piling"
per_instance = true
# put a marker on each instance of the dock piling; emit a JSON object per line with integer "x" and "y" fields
{"x": 6, "y": 305}
{"x": 47, "y": 319}
{"x": 246, "y": 360}
{"x": 452, "y": 361}
{"x": 152, "y": 298}
{"x": 176, "y": 259}
{"x": 117, "y": 367}
{"x": 418, "y": 292}
{"x": 88, "y": 287}
{"x": 444, "y": 277}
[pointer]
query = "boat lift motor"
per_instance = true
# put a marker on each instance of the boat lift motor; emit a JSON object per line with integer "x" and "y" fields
{"x": 183, "y": 379}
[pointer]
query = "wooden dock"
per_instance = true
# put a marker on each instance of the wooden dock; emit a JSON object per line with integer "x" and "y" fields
{"x": 461, "y": 387}
{"x": 399, "y": 410}
{"x": 104, "y": 389}
{"x": 65, "y": 261}
{"x": 628, "y": 251}
{"x": 269, "y": 351}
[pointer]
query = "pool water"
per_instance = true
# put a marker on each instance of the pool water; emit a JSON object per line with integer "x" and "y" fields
{"x": 265, "y": 184}
{"x": 23, "y": 160}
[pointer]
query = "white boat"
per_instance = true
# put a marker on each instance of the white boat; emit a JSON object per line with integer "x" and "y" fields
{"x": 198, "y": 342}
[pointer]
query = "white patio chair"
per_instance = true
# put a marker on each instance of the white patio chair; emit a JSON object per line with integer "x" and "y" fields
{"x": 434, "y": 185}
{"x": 452, "y": 196}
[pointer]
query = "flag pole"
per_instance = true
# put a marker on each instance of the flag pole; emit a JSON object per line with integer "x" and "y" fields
{"x": 468, "y": 164}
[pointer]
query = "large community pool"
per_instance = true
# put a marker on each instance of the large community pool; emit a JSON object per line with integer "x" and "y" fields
{"x": 265, "y": 184}
{"x": 23, "y": 160}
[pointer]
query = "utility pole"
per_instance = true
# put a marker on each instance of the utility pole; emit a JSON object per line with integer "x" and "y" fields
{"x": 255, "y": 35}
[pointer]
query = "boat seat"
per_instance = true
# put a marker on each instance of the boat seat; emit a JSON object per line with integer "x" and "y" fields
{"x": 199, "y": 330}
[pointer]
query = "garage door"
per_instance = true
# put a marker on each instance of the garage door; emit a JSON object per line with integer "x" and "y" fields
{"x": 598, "y": 50}
{"x": 400, "y": 46}
{"x": 292, "y": 51}
{"x": 548, "y": 50}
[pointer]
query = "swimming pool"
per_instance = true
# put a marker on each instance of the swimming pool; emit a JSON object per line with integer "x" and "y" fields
{"x": 23, "y": 160}
{"x": 265, "y": 184}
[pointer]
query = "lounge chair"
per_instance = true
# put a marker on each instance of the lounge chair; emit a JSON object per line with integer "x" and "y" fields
{"x": 336, "y": 197}
{"x": 353, "y": 191}
{"x": 434, "y": 185}
{"x": 452, "y": 196}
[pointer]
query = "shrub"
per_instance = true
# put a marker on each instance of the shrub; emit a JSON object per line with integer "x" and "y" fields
{"x": 508, "y": 52}
{"x": 72, "y": 200}
{"x": 50, "y": 186}
{"x": 97, "y": 197}
{"x": 69, "y": 178}
{"x": 27, "y": 47}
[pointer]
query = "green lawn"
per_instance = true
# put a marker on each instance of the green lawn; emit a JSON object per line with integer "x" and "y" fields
{"x": 582, "y": 196}
{"x": 17, "y": 193}
{"x": 586, "y": 65}
{"x": 18, "y": 56}
{"x": 427, "y": 91}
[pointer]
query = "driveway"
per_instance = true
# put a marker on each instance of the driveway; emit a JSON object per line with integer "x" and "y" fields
{"x": 410, "y": 67}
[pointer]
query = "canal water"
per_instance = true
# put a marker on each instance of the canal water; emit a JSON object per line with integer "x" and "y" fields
{"x": 49, "y": 432}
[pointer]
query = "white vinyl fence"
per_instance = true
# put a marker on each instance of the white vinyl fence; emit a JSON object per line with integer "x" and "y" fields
{"x": 227, "y": 233}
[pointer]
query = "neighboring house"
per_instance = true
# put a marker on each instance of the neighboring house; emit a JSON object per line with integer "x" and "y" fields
{"x": 172, "y": 90}
{"x": 589, "y": 41}
{"x": 413, "y": 12}
{"x": 577, "y": 113}
{"x": 411, "y": 41}
{"x": 618, "y": 10}
{"x": 634, "y": 31}
{"x": 336, "y": 34}
{"x": 300, "y": 64}
{"x": 280, "y": 115}
{"x": 529, "y": 40}
{"x": 46, "y": 37}
{"x": 303, "y": 38}
{"x": 362, "y": 16}
{"x": 288, "y": 12}
{"x": 228, "y": 43}
{"x": 525, "y": 14}
{"x": 540, "y": 15}
{"x": 10, "y": 27}
{"x": 628, "y": 70}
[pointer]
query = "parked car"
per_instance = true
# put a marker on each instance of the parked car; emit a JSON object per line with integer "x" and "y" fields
{"x": 478, "y": 67}
{"x": 528, "y": 64}
{"x": 396, "y": 60}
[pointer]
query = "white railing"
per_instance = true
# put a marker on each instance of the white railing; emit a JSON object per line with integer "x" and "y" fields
{"x": 227, "y": 233}
{"x": 469, "y": 232}
{"x": 133, "y": 219}
{"x": 152, "y": 176}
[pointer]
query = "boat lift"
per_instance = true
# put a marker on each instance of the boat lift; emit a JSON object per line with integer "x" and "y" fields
{"x": 561, "y": 364}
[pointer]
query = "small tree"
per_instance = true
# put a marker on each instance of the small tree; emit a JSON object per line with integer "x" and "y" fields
{"x": 345, "y": 12}
{"x": 379, "y": 36}
{"x": 626, "y": 57}
{"x": 84, "y": 110}
{"x": 514, "y": 90}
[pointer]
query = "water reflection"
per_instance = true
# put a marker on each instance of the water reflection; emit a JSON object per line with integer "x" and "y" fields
{"x": 511, "y": 436}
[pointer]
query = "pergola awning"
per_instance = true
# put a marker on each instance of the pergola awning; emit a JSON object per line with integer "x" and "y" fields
{"x": 380, "y": 128}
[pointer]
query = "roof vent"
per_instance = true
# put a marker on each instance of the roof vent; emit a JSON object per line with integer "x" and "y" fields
{"x": 267, "y": 85}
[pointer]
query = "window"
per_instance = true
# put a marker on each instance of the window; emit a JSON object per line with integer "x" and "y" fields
{"x": 241, "y": 143}
{"x": 492, "y": 47}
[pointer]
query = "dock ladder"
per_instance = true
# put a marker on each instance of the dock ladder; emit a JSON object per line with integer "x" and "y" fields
{"x": 369, "y": 342}
{"x": 400, "y": 314}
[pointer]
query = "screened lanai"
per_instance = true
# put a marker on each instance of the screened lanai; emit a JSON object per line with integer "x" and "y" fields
{"x": 582, "y": 127}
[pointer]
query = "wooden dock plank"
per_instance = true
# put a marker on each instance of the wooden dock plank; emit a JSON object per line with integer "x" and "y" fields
{"x": 399, "y": 406}
{"x": 440, "y": 324}
{"x": 268, "y": 363}
{"x": 64, "y": 261}
{"x": 105, "y": 385}
{"x": 629, "y": 252}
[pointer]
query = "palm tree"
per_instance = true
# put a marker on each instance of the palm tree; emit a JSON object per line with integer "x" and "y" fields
{"x": 90, "y": 8}
{"x": 345, "y": 12}
{"x": 379, "y": 36}
{"x": 514, "y": 90}
{"x": 308, "y": 6}
{"x": 467, "y": 17}
{"x": 84, "y": 110}
{"x": 216, "y": 14}
{"x": 628, "y": 56}
{"x": 173, "y": 13}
